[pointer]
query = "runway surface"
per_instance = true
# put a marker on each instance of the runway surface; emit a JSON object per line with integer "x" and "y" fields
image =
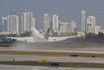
{"x": 50, "y": 58}
{"x": 17, "y": 67}
{"x": 73, "y": 50}
{"x": 52, "y": 48}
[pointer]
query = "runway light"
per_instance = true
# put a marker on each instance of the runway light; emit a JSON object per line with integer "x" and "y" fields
{"x": 58, "y": 51}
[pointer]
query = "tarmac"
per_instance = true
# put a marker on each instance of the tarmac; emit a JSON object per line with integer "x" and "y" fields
{"x": 44, "y": 48}
{"x": 17, "y": 67}
{"x": 5, "y": 57}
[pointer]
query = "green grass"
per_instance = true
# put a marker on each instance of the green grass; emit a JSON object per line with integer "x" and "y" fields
{"x": 51, "y": 53}
{"x": 61, "y": 64}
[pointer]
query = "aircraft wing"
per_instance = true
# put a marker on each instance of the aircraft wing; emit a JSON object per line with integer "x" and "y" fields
{"x": 61, "y": 38}
{"x": 28, "y": 39}
{"x": 35, "y": 33}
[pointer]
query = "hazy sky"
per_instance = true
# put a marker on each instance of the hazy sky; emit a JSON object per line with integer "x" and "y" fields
{"x": 67, "y": 10}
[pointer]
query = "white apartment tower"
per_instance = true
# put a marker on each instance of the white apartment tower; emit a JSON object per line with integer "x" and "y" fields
{"x": 22, "y": 26}
{"x": 94, "y": 29}
{"x": 72, "y": 26}
{"x": 13, "y": 23}
{"x": 4, "y": 23}
{"x": 63, "y": 26}
{"x": 33, "y": 25}
{"x": 91, "y": 21}
{"x": 46, "y": 22}
{"x": 83, "y": 20}
{"x": 27, "y": 20}
{"x": 55, "y": 22}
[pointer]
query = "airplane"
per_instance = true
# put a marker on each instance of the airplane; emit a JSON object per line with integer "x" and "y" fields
{"x": 36, "y": 36}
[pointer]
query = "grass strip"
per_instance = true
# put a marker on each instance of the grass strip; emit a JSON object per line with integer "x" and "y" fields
{"x": 61, "y": 64}
{"x": 51, "y": 53}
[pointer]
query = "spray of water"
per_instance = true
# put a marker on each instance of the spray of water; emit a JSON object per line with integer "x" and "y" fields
{"x": 25, "y": 46}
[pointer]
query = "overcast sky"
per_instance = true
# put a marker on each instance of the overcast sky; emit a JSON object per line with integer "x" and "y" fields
{"x": 67, "y": 10}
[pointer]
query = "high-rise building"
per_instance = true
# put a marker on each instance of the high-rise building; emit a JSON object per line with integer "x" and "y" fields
{"x": 21, "y": 23}
{"x": 72, "y": 26}
{"x": 102, "y": 24}
{"x": 76, "y": 30}
{"x": 63, "y": 26}
{"x": 27, "y": 20}
{"x": 4, "y": 23}
{"x": 59, "y": 24}
{"x": 91, "y": 21}
{"x": 15, "y": 12}
{"x": 87, "y": 25}
{"x": 12, "y": 23}
{"x": 33, "y": 25}
{"x": 46, "y": 22}
{"x": 94, "y": 29}
{"x": 83, "y": 20}
{"x": 1, "y": 28}
{"x": 55, "y": 22}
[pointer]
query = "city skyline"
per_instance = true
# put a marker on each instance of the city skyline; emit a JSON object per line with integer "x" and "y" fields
{"x": 26, "y": 20}
{"x": 67, "y": 10}
{"x": 16, "y": 22}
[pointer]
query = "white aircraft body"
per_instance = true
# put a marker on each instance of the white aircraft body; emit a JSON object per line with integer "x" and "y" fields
{"x": 38, "y": 37}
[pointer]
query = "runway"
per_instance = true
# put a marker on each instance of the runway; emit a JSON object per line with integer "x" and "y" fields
{"x": 28, "y": 47}
{"x": 52, "y": 58}
{"x": 17, "y": 67}
{"x": 5, "y": 57}
{"x": 71, "y": 50}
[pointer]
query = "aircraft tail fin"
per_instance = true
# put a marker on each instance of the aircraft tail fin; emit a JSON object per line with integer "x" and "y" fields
{"x": 47, "y": 34}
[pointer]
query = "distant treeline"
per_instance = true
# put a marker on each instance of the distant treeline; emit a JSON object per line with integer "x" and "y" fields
{"x": 90, "y": 38}
{"x": 16, "y": 35}
{"x": 100, "y": 36}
